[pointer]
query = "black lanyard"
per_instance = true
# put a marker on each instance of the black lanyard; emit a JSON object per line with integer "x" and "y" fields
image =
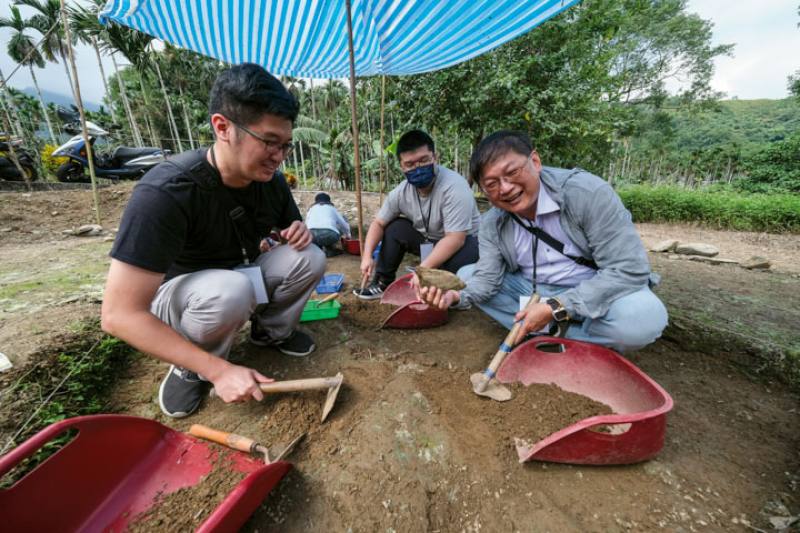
{"x": 555, "y": 244}
{"x": 534, "y": 248}
{"x": 237, "y": 214}
{"x": 426, "y": 221}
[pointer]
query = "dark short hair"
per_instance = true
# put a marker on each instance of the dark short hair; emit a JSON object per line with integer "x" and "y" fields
{"x": 411, "y": 140}
{"x": 497, "y": 145}
{"x": 322, "y": 198}
{"x": 245, "y": 93}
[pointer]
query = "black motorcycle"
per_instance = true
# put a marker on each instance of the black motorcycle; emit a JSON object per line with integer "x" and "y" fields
{"x": 123, "y": 163}
{"x": 8, "y": 171}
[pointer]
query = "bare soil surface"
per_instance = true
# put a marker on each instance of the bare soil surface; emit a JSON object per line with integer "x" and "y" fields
{"x": 409, "y": 446}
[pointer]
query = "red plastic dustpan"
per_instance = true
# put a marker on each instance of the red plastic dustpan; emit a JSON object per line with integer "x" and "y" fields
{"x": 411, "y": 313}
{"x": 115, "y": 468}
{"x": 640, "y": 405}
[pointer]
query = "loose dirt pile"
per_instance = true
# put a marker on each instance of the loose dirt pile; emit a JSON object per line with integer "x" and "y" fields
{"x": 370, "y": 315}
{"x": 536, "y": 411}
{"x": 187, "y": 508}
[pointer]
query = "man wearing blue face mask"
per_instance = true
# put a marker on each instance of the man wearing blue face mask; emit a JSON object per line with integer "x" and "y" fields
{"x": 432, "y": 214}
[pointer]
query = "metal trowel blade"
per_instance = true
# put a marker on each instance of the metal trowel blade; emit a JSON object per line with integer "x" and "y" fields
{"x": 494, "y": 389}
{"x": 276, "y": 456}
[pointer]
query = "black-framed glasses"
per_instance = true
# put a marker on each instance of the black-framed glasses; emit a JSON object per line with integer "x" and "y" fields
{"x": 271, "y": 146}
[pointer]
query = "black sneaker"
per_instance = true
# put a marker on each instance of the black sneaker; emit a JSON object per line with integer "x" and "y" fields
{"x": 181, "y": 392}
{"x": 371, "y": 292}
{"x": 298, "y": 344}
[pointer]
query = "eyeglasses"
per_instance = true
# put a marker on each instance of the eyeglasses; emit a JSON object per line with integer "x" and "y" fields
{"x": 271, "y": 146}
{"x": 492, "y": 186}
{"x": 411, "y": 165}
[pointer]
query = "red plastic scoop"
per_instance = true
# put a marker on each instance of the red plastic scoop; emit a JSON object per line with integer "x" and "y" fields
{"x": 640, "y": 404}
{"x": 116, "y": 468}
{"x": 411, "y": 312}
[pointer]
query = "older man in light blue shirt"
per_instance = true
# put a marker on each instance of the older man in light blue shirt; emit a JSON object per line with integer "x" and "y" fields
{"x": 564, "y": 235}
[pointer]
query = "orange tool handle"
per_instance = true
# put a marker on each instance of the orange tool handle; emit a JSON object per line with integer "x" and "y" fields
{"x": 231, "y": 440}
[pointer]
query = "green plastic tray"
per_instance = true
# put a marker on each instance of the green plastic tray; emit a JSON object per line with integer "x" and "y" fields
{"x": 314, "y": 311}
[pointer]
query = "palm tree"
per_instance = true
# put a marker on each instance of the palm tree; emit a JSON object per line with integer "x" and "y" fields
{"x": 183, "y": 66}
{"x": 172, "y": 124}
{"x": 133, "y": 45}
{"x": 86, "y": 25}
{"x": 54, "y": 46}
{"x": 9, "y": 107}
{"x": 22, "y": 49}
{"x": 82, "y": 23}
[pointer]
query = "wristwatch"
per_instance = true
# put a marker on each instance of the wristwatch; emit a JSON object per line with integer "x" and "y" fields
{"x": 559, "y": 311}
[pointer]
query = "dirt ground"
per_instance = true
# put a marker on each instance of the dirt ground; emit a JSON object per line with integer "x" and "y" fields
{"x": 409, "y": 447}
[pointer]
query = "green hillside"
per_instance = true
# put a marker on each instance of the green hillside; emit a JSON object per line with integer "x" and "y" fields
{"x": 744, "y": 123}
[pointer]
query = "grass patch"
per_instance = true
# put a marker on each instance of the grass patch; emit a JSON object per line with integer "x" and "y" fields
{"x": 55, "y": 282}
{"x": 92, "y": 360}
{"x": 773, "y": 213}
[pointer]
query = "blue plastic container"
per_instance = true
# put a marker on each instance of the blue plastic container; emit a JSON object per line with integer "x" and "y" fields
{"x": 330, "y": 283}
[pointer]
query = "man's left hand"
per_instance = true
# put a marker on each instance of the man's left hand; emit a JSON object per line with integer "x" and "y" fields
{"x": 297, "y": 235}
{"x": 534, "y": 318}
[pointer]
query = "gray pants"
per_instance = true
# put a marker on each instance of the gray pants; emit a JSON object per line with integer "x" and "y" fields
{"x": 209, "y": 307}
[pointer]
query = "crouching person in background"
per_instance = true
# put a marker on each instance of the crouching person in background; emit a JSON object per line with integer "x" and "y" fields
{"x": 432, "y": 214}
{"x": 327, "y": 225}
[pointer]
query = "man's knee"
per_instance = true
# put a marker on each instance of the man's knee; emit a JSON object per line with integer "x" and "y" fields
{"x": 313, "y": 260}
{"x": 639, "y": 321}
{"x": 226, "y": 302}
{"x": 234, "y": 300}
{"x": 465, "y": 273}
{"x": 397, "y": 228}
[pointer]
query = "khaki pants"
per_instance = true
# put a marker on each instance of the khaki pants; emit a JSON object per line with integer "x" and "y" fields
{"x": 209, "y": 307}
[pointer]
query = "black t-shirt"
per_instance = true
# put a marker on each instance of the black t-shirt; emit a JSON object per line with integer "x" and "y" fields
{"x": 177, "y": 220}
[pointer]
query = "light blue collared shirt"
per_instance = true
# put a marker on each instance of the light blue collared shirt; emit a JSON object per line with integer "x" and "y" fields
{"x": 552, "y": 267}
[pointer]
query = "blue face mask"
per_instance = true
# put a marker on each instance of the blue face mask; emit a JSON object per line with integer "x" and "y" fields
{"x": 421, "y": 177}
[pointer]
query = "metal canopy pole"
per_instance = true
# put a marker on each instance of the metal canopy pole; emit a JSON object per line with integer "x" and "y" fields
{"x": 382, "y": 175}
{"x": 357, "y": 158}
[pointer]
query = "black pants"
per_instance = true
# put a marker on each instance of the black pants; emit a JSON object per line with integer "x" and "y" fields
{"x": 401, "y": 237}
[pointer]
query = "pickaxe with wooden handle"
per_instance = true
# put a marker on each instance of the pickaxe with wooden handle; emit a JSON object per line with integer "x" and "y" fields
{"x": 332, "y": 383}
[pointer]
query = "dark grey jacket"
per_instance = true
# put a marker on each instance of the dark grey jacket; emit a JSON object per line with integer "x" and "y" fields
{"x": 593, "y": 217}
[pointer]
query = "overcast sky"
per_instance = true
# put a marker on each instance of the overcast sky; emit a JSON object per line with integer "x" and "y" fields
{"x": 765, "y": 33}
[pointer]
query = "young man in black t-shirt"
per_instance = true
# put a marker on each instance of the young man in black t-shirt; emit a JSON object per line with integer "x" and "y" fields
{"x": 191, "y": 264}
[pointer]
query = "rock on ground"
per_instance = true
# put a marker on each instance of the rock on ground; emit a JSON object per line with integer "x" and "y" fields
{"x": 697, "y": 248}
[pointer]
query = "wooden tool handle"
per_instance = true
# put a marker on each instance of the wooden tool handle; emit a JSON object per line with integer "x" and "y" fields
{"x": 300, "y": 384}
{"x": 231, "y": 440}
{"x": 510, "y": 340}
{"x": 328, "y": 298}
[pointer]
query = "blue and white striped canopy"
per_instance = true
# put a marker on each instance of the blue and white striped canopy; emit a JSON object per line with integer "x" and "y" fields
{"x": 308, "y": 38}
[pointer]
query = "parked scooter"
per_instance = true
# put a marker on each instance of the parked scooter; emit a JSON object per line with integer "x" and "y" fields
{"x": 8, "y": 171}
{"x": 123, "y": 163}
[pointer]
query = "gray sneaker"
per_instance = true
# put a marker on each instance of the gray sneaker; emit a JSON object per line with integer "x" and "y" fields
{"x": 181, "y": 392}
